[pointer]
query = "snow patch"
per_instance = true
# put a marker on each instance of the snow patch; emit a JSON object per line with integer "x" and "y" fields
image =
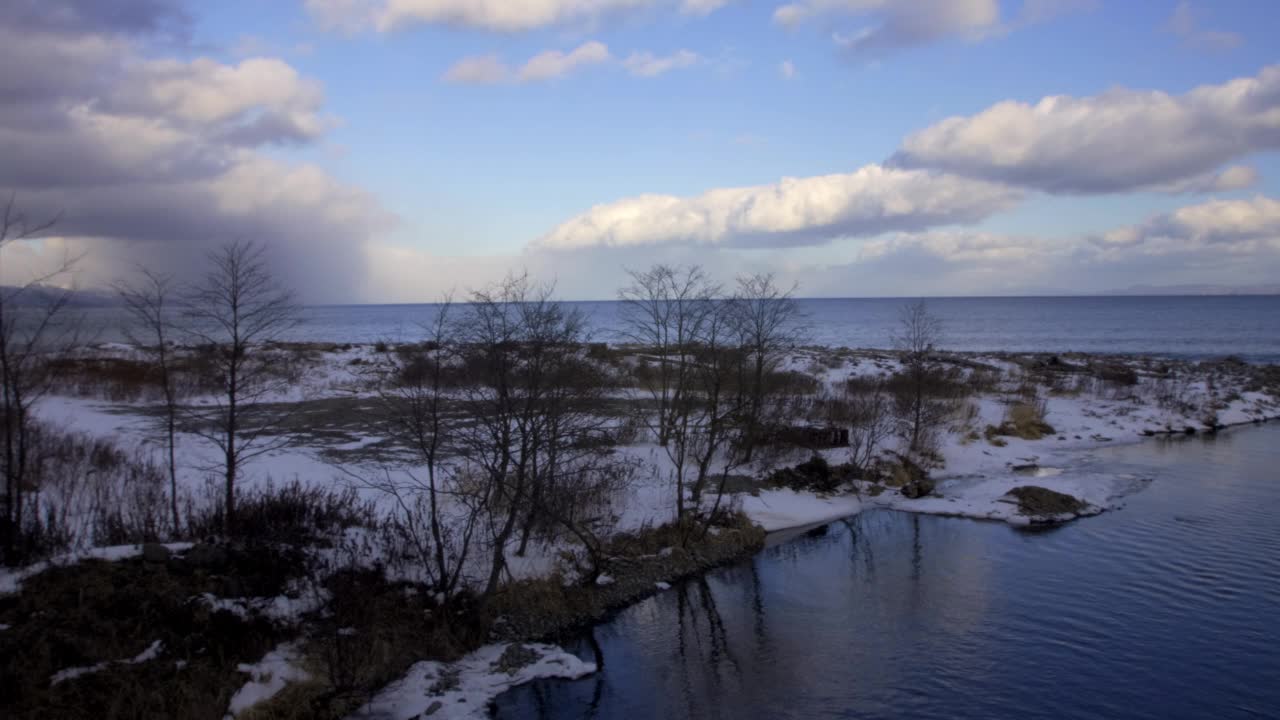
{"x": 464, "y": 689}
{"x": 11, "y": 580}
{"x": 268, "y": 677}
{"x": 151, "y": 653}
{"x": 781, "y": 509}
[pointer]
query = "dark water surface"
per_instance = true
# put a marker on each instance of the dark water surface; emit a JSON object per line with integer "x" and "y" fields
{"x": 1168, "y": 608}
{"x": 1184, "y": 327}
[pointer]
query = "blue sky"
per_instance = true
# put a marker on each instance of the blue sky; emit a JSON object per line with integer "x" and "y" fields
{"x": 448, "y": 182}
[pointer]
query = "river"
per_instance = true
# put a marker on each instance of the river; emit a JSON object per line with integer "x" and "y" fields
{"x": 1169, "y": 607}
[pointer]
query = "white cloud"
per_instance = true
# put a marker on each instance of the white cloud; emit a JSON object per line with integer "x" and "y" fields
{"x": 1184, "y": 24}
{"x": 1119, "y": 141}
{"x": 1236, "y": 177}
{"x": 478, "y": 70}
{"x": 547, "y": 65}
{"x": 1220, "y": 242}
{"x": 646, "y": 64}
{"x": 1230, "y": 226}
{"x": 794, "y": 211}
{"x": 554, "y": 63}
{"x": 491, "y": 15}
{"x": 787, "y": 69}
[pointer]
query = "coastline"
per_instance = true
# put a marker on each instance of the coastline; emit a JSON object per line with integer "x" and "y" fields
{"x": 1089, "y": 402}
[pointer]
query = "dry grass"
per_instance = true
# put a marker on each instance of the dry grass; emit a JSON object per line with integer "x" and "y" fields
{"x": 104, "y": 612}
{"x": 1023, "y": 419}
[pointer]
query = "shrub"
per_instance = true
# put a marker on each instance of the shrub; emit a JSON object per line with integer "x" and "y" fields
{"x": 293, "y": 513}
{"x": 1023, "y": 419}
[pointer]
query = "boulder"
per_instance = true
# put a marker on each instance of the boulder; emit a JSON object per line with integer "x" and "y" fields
{"x": 155, "y": 553}
{"x": 1036, "y": 500}
{"x": 207, "y": 555}
{"x": 913, "y": 481}
{"x": 515, "y": 657}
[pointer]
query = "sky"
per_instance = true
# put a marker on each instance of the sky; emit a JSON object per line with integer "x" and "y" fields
{"x": 395, "y": 150}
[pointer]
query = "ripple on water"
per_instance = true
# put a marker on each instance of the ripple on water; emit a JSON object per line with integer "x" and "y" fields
{"x": 1164, "y": 609}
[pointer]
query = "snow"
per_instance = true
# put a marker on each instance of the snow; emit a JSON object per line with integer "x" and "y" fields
{"x": 776, "y": 510}
{"x": 151, "y": 653}
{"x": 987, "y": 497}
{"x": 973, "y": 478}
{"x": 662, "y": 585}
{"x": 268, "y": 677}
{"x": 477, "y": 683}
{"x": 287, "y": 609}
{"x": 11, "y": 580}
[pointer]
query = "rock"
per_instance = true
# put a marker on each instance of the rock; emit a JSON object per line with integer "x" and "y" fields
{"x": 207, "y": 555}
{"x": 515, "y": 657}
{"x": 432, "y": 709}
{"x": 1036, "y": 500}
{"x": 917, "y": 488}
{"x": 916, "y": 482}
{"x": 813, "y": 475}
{"x": 155, "y": 553}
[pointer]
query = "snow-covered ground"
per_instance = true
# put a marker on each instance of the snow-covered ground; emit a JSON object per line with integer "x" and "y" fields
{"x": 464, "y": 689}
{"x": 973, "y": 478}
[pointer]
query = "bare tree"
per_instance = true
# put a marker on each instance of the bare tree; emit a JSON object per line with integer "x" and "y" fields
{"x": 236, "y": 310}
{"x": 663, "y": 311}
{"x": 870, "y": 420}
{"x": 766, "y": 319}
{"x": 436, "y": 516}
{"x": 148, "y": 302}
{"x": 32, "y": 334}
{"x": 666, "y": 311}
{"x": 919, "y": 331}
{"x": 713, "y": 407}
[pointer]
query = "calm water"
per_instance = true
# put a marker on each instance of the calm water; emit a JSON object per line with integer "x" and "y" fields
{"x": 1190, "y": 327}
{"x": 1167, "y": 608}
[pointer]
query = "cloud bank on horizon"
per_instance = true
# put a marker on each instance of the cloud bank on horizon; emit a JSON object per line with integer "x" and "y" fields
{"x": 152, "y": 140}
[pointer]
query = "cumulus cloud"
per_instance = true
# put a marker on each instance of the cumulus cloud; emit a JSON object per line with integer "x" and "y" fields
{"x": 1236, "y": 177}
{"x": 146, "y": 157}
{"x": 793, "y": 211}
{"x": 645, "y": 64}
{"x": 490, "y": 15}
{"x": 1184, "y": 24}
{"x": 548, "y": 65}
{"x": 1218, "y": 242}
{"x": 1118, "y": 141}
{"x": 1229, "y": 226}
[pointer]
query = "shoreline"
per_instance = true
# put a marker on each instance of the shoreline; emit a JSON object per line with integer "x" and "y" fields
{"x": 982, "y": 452}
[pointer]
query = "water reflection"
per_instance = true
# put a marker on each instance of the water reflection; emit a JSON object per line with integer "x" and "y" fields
{"x": 1164, "y": 609}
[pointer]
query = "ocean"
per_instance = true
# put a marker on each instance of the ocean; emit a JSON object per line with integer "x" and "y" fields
{"x": 1190, "y": 327}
